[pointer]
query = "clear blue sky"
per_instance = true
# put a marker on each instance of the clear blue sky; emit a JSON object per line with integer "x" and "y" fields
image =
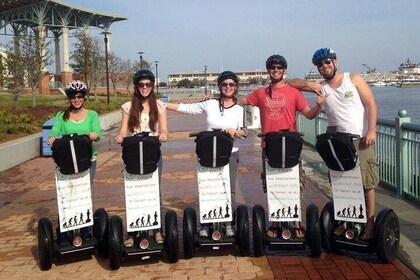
{"x": 185, "y": 35}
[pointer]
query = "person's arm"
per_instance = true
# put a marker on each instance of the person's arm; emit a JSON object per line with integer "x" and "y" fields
{"x": 123, "y": 128}
{"x": 193, "y": 108}
{"x": 96, "y": 133}
{"x": 304, "y": 85}
{"x": 240, "y": 132}
{"x": 163, "y": 127}
{"x": 172, "y": 106}
{"x": 242, "y": 101}
{"x": 369, "y": 103}
{"x": 311, "y": 112}
{"x": 56, "y": 129}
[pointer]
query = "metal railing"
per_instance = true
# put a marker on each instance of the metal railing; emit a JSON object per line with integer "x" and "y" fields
{"x": 397, "y": 150}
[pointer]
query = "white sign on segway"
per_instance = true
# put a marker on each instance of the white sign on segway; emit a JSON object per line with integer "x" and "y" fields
{"x": 74, "y": 200}
{"x": 348, "y": 195}
{"x": 142, "y": 201}
{"x": 283, "y": 194}
{"x": 214, "y": 194}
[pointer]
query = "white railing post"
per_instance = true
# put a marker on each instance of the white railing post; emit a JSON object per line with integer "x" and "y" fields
{"x": 255, "y": 117}
{"x": 401, "y": 153}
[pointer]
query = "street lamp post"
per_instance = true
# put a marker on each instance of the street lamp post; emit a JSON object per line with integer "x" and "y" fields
{"x": 205, "y": 80}
{"x": 141, "y": 59}
{"x": 157, "y": 77}
{"x": 106, "y": 33}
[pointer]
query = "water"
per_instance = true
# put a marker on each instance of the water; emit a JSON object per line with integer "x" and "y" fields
{"x": 392, "y": 99}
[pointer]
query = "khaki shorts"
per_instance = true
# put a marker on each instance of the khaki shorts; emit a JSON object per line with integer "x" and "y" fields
{"x": 368, "y": 164}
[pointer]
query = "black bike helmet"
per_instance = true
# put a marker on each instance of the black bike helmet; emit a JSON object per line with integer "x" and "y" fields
{"x": 276, "y": 59}
{"x": 322, "y": 54}
{"x": 143, "y": 74}
{"x": 75, "y": 86}
{"x": 227, "y": 75}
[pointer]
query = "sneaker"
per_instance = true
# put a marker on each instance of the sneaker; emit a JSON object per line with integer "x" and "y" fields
{"x": 158, "y": 238}
{"x": 129, "y": 242}
{"x": 204, "y": 232}
{"x": 230, "y": 231}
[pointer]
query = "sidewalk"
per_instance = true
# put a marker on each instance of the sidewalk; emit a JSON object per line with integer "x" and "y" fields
{"x": 27, "y": 192}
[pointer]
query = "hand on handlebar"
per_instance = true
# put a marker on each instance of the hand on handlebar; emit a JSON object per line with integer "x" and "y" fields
{"x": 119, "y": 138}
{"x": 93, "y": 136}
{"x": 51, "y": 140}
{"x": 163, "y": 138}
{"x": 231, "y": 131}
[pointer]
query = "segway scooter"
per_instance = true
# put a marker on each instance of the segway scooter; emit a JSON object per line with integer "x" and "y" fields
{"x": 141, "y": 154}
{"x": 282, "y": 152}
{"x": 72, "y": 154}
{"x": 213, "y": 149}
{"x": 348, "y": 205}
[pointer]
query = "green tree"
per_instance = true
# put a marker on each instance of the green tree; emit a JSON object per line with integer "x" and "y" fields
{"x": 24, "y": 60}
{"x": 116, "y": 69}
{"x": 36, "y": 57}
{"x": 127, "y": 77}
{"x": 253, "y": 81}
{"x": 87, "y": 59}
{"x": 2, "y": 70}
{"x": 184, "y": 83}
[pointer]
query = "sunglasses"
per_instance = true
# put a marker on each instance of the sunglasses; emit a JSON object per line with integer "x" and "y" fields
{"x": 228, "y": 84}
{"x": 326, "y": 61}
{"x": 274, "y": 67}
{"x": 80, "y": 97}
{"x": 142, "y": 85}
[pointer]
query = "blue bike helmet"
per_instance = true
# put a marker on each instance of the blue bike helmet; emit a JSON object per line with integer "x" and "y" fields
{"x": 322, "y": 54}
{"x": 276, "y": 59}
{"x": 227, "y": 75}
{"x": 143, "y": 74}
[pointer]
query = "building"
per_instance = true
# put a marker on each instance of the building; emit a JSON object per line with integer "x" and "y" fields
{"x": 199, "y": 78}
{"x": 4, "y": 72}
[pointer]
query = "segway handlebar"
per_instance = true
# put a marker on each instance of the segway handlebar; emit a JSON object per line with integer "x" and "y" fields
{"x": 261, "y": 135}
{"x": 194, "y": 134}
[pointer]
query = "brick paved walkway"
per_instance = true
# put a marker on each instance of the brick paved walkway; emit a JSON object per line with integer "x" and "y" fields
{"x": 27, "y": 192}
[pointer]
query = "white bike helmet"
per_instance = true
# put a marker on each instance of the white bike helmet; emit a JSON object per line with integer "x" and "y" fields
{"x": 75, "y": 86}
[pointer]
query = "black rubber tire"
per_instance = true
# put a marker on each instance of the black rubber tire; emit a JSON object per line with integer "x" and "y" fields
{"x": 328, "y": 224}
{"x": 100, "y": 231}
{"x": 115, "y": 242}
{"x": 45, "y": 244}
{"x": 242, "y": 229}
{"x": 189, "y": 229}
{"x": 171, "y": 236}
{"x": 258, "y": 230}
{"x": 313, "y": 230}
{"x": 387, "y": 235}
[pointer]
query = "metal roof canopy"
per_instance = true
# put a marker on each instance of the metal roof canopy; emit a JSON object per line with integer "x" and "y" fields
{"x": 53, "y": 14}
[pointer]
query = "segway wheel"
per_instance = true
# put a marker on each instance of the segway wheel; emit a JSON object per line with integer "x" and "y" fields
{"x": 387, "y": 235}
{"x": 242, "y": 230}
{"x": 258, "y": 230}
{"x": 189, "y": 229}
{"x": 115, "y": 242}
{"x": 314, "y": 230}
{"x": 171, "y": 236}
{"x": 328, "y": 224}
{"x": 100, "y": 231}
{"x": 45, "y": 243}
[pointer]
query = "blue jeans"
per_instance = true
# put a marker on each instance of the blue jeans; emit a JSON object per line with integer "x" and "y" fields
{"x": 92, "y": 171}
